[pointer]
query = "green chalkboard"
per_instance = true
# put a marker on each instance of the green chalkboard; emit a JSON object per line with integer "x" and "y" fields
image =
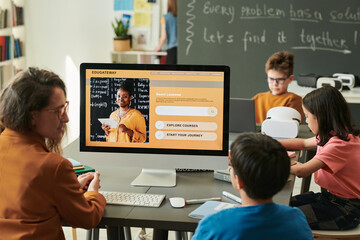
{"x": 324, "y": 36}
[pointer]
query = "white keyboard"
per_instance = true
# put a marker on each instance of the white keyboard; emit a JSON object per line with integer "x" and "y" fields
{"x": 133, "y": 199}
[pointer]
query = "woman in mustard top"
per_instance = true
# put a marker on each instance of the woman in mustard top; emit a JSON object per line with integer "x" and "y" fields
{"x": 131, "y": 123}
{"x": 39, "y": 188}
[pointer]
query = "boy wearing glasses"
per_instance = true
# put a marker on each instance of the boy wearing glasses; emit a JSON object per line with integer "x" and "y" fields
{"x": 260, "y": 169}
{"x": 279, "y": 69}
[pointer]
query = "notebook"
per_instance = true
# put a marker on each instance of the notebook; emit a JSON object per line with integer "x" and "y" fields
{"x": 210, "y": 207}
{"x": 242, "y": 115}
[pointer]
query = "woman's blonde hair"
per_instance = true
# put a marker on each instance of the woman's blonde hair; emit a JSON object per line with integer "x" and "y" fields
{"x": 30, "y": 90}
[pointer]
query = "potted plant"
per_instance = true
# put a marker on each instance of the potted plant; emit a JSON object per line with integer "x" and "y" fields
{"x": 122, "y": 39}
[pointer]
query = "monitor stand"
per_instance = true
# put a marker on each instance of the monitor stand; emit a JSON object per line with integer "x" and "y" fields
{"x": 156, "y": 178}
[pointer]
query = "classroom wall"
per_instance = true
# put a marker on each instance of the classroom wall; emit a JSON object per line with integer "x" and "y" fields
{"x": 61, "y": 34}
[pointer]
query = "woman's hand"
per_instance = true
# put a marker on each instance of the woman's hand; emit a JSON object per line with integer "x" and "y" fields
{"x": 124, "y": 129}
{"x": 84, "y": 180}
{"x": 95, "y": 182}
{"x": 106, "y": 128}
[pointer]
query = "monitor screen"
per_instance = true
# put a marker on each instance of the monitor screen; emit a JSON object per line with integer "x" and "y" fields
{"x": 155, "y": 109}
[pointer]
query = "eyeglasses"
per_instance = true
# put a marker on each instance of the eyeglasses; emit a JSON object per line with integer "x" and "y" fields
{"x": 61, "y": 110}
{"x": 279, "y": 81}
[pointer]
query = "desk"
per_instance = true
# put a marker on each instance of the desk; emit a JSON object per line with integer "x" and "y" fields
{"x": 189, "y": 185}
{"x": 136, "y": 56}
{"x": 351, "y": 96}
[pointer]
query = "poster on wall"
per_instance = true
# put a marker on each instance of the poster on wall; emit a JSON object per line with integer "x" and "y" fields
{"x": 123, "y": 5}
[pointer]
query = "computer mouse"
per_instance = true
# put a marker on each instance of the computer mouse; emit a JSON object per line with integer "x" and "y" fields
{"x": 177, "y": 202}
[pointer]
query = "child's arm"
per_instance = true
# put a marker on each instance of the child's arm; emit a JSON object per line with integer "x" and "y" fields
{"x": 305, "y": 169}
{"x": 298, "y": 143}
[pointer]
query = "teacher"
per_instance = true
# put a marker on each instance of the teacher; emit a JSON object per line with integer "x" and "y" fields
{"x": 131, "y": 123}
{"x": 39, "y": 188}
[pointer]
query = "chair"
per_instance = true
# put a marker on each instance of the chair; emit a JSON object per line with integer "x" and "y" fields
{"x": 352, "y": 234}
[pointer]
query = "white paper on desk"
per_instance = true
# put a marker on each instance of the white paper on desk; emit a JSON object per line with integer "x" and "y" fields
{"x": 109, "y": 121}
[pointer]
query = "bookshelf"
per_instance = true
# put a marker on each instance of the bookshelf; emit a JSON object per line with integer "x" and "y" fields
{"x": 12, "y": 39}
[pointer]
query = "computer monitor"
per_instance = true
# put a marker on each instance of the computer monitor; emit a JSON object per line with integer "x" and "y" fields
{"x": 178, "y": 117}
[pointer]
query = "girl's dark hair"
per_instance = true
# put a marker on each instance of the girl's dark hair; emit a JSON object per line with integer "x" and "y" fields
{"x": 261, "y": 163}
{"x": 30, "y": 90}
{"x": 127, "y": 86}
{"x": 332, "y": 113}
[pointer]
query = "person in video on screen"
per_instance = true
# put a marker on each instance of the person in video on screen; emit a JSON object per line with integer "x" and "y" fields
{"x": 279, "y": 69}
{"x": 169, "y": 33}
{"x": 131, "y": 123}
{"x": 39, "y": 188}
{"x": 336, "y": 163}
{"x": 259, "y": 168}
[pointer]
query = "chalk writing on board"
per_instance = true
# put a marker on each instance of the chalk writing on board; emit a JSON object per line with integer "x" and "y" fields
{"x": 305, "y": 15}
{"x": 228, "y": 11}
{"x": 190, "y": 19}
{"x": 103, "y": 101}
{"x": 324, "y": 36}
{"x": 306, "y": 40}
{"x": 346, "y": 17}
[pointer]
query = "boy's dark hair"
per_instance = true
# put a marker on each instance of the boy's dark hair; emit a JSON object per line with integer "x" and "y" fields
{"x": 127, "y": 86}
{"x": 261, "y": 163}
{"x": 281, "y": 61}
{"x": 332, "y": 113}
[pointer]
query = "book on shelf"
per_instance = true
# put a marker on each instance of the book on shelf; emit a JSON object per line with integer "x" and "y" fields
{"x": 210, "y": 207}
{"x": 17, "y": 48}
{"x": 17, "y": 14}
{"x": 1, "y": 77}
{"x": 3, "y": 18}
{"x": 5, "y": 46}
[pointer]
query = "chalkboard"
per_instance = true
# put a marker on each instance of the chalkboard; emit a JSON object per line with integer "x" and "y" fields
{"x": 324, "y": 36}
{"x": 103, "y": 102}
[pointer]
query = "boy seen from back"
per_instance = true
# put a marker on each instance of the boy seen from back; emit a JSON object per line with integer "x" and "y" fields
{"x": 279, "y": 69}
{"x": 259, "y": 169}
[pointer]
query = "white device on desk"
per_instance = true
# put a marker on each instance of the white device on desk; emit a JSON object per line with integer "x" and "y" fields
{"x": 281, "y": 122}
{"x": 347, "y": 79}
{"x": 133, "y": 199}
{"x": 332, "y": 81}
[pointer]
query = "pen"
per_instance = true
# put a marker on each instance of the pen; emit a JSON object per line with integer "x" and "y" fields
{"x": 232, "y": 197}
{"x": 195, "y": 201}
